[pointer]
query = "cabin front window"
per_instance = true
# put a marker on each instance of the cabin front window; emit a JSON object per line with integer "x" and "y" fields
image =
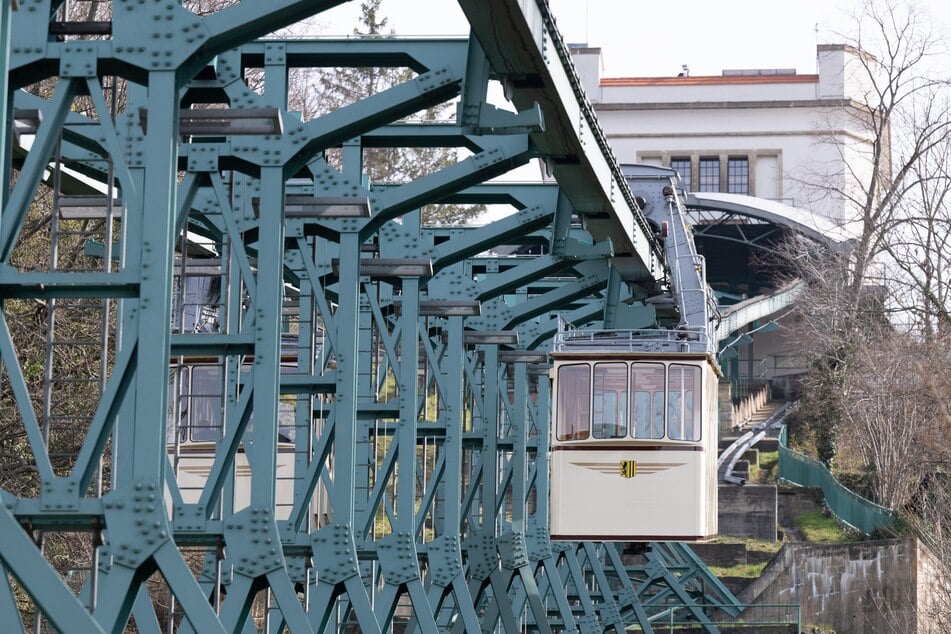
{"x": 610, "y": 400}
{"x": 647, "y": 400}
{"x": 574, "y": 402}
{"x": 204, "y": 407}
{"x": 683, "y": 411}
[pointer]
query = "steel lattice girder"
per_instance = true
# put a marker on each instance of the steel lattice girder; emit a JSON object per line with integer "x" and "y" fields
{"x": 449, "y": 470}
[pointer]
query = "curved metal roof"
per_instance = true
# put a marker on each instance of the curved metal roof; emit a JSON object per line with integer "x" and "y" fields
{"x": 804, "y": 221}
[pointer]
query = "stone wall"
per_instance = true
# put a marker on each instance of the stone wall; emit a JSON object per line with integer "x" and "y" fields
{"x": 853, "y": 588}
{"x": 748, "y": 511}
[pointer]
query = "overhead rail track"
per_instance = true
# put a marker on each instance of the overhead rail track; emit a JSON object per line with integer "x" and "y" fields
{"x": 528, "y": 53}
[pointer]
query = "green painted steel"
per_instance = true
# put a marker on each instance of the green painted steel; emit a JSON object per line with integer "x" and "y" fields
{"x": 773, "y": 617}
{"x": 314, "y": 412}
{"x": 849, "y": 507}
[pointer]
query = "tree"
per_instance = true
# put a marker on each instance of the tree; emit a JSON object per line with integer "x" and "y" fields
{"x": 338, "y": 87}
{"x": 828, "y": 328}
{"x": 919, "y": 251}
{"x": 890, "y": 186}
{"x": 876, "y": 322}
{"x": 899, "y": 108}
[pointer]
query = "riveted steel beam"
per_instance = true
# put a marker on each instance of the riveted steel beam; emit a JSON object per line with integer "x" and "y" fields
{"x": 356, "y": 418}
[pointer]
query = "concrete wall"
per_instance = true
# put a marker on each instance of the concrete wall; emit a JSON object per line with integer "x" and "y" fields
{"x": 796, "y": 501}
{"x": 934, "y": 594}
{"x": 854, "y": 588}
{"x": 748, "y": 511}
{"x": 724, "y": 555}
{"x": 725, "y": 401}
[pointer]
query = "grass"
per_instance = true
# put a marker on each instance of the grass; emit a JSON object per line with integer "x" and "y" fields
{"x": 765, "y": 471}
{"x": 752, "y": 544}
{"x": 768, "y": 461}
{"x": 765, "y": 548}
{"x": 819, "y": 528}
{"x": 747, "y": 571}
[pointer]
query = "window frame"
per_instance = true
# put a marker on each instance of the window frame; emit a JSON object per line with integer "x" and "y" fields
{"x": 621, "y": 405}
{"x": 652, "y": 402}
{"x": 686, "y": 175}
{"x": 561, "y": 432}
{"x": 696, "y": 404}
{"x": 738, "y": 181}
{"x": 702, "y": 174}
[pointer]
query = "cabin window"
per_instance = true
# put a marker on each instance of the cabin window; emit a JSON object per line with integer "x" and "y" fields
{"x": 683, "y": 402}
{"x": 574, "y": 402}
{"x": 204, "y": 403}
{"x": 610, "y": 400}
{"x": 177, "y": 406}
{"x": 647, "y": 400}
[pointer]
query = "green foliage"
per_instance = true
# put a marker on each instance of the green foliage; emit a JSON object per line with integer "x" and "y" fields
{"x": 759, "y": 553}
{"x": 812, "y": 427}
{"x": 768, "y": 463}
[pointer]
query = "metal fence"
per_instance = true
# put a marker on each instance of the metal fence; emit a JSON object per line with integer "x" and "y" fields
{"x": 851, "y": 508}
{"x": 762, "y": 617}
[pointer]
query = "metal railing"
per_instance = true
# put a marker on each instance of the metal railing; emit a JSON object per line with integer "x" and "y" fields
{"x": 849, "y": 507}
{"x": 646, "y": 340}
{"x": 786, "y": 617}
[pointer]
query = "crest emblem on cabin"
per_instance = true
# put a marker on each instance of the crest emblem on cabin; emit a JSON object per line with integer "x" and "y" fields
{"x": 628, "y": 468}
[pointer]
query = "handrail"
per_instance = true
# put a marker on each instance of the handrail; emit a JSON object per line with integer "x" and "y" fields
{"x": 628, "y": 340}
{"x": 672, "y": 619}
{"x": 849, "y": 507}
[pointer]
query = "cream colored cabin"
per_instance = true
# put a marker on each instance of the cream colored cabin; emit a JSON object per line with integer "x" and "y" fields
{"x": 195, "y": 429}
{"x": 634, "y": 447}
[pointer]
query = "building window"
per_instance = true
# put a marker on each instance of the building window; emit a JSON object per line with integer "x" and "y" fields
{"x": 738, "y": 175}
{"x": 710, "y": 174}
{"x": 681, "y": 165}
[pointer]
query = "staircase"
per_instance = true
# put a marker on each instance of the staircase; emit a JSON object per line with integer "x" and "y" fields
{"x": 757, "y": 429}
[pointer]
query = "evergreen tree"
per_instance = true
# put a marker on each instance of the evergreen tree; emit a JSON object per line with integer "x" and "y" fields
{"x": 339, "y": 87}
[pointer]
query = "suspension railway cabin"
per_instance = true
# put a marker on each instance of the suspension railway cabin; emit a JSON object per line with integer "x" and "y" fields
{"x": 634, "y": 443}
{"x": 196, "y": 389}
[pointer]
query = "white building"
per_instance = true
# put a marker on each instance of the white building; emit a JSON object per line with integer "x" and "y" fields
{"x": 771, "y": 133}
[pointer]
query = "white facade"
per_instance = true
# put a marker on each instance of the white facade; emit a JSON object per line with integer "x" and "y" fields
{"x": 773, "y": 134}
{"x": 762, "y": 132}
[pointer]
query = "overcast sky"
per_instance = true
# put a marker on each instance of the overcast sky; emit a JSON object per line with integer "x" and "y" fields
{"x": 640, "y": 38}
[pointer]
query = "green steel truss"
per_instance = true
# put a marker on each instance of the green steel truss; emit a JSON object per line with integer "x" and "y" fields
{"x": 392, "y": 377}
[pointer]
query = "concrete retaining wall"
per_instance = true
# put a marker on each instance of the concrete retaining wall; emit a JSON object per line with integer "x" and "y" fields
{"x": 859, "y": 587}
{"x": 723, "y": 555}
{"x": 748, "y": 511}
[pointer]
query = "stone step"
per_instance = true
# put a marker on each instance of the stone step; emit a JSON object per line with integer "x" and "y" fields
{"x": 764, "y": 446}
{"x": 722, "y": 555}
